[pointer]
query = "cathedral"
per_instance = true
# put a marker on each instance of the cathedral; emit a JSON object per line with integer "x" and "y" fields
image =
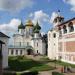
{"x": 61, "y": 39}
{"x": 28, "y": 40}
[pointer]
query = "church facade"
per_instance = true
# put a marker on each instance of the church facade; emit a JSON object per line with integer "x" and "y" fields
{"x": 61, "y": 39}
{"x": 28, "y": 40}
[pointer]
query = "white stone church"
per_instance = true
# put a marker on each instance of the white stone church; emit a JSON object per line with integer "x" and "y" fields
{"x": 28, "y": 40}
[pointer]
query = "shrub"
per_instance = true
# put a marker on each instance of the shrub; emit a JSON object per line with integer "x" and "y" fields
{"x": 57, "y": 73}
{"x": 9, "y": 73}
{"x": 30, "y": 73}
{"x": 20, "y": 57}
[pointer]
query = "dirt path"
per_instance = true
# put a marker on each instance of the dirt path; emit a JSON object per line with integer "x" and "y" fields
{"x": 45, "y": 73}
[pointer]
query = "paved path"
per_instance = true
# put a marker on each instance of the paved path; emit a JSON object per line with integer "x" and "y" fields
{"x": 50, "y": 73}
{"x": 36, "y": 58}
{"x": 45, "y": 73}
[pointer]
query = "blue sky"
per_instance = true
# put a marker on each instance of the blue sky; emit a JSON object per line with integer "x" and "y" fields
{"x": 12, "y": 11}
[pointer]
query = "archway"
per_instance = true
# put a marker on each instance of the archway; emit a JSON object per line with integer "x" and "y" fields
{"x": 29, "y": 50}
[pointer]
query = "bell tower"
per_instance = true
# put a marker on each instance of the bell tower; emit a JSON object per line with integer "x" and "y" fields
{"x": 58, "y": 19}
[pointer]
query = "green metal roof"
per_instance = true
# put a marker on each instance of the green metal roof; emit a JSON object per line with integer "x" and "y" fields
{"x": 36, "y": 28}
{"x": 21, "y": 26}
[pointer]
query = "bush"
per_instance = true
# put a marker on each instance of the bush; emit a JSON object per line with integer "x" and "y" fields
{"x": 20, "y": 57}
{"x": 25, "y": 73}
{"x": 57, "y": 73}
{"x": 9, "y": 73}
{"x": 30, "y": 73}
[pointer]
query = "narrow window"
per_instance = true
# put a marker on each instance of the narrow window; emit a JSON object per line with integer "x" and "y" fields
{"x": 12, "y": 51}
{"x": 21, "y": 52}
{"x": 71, "y": 28}
{"x": 37, "y": 51}
{"x": 37, "y": 44}
{"x": 60, "y": 32}
{"x": 55, "y": 20}
{"x": 17, "y": 52}
{"x": 64, "y": 29}
{"x": 54, "y": 35}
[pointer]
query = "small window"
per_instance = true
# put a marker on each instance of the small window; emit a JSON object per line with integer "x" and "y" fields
{"x": 60, "y": 32}
{"x": 64, "y": 29}
{"x": 37, "y": 51}
{"x": 71, "y": 28}
{"x": 16, "y": 51}
{"x": 37, "y": 44}
{"x": 55, "y": 20}
{"x": 60, "y": 20}
{"x": 12, "y": 51}
{"x": 54, "y": 35}
{"x": 21, "y": 52}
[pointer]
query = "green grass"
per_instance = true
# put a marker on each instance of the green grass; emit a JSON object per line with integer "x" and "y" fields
{"x": 23, "y": 63}
{"x": 42, "y": 68}
{"x": 62, "y": 63}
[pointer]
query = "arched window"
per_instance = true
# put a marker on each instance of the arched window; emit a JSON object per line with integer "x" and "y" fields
{"x": 71, "y": 28}
{"x": 60, "y": 32}
{"x": 55, "y": 20}
{"x": 54, "y": 35}
{"x": 16, "y": 52}
{"x": 64, "y": 29}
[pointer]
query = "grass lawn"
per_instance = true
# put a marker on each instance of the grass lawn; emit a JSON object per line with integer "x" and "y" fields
{"x": 65, "y": 64}
{"x": 62, "y": 63}
{"x": 22, "y": 63}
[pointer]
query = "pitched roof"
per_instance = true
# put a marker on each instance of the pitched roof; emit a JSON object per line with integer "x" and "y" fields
{"x": 3, "y": 35}
{"x": 67, "y": 21}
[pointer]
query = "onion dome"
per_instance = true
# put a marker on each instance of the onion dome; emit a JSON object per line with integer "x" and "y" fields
{"x": 29, "y": 23}
{"x": 36, "y": 28}
{"x": 21, "y": 26}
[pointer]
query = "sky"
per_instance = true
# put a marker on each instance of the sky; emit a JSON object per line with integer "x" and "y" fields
{"x": 12, "y": 12}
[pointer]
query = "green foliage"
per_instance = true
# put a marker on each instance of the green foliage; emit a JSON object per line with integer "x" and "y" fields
{"x": 30, "y": 73}
{"x": 24, "y": 73}
{"x": 9, "y": 73}
{"x": 22, "y": 64}
{"x": 42, "y": 68}
{"x": 57, "y": 73}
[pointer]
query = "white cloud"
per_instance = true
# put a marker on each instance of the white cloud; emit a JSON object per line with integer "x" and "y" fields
{"x": 15, "y": 5}
{"x": 72, "y": 3}
{"x": 42, "y": 33}
{"x": 11, "y": 27}
{"x": 39, "y": 16}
